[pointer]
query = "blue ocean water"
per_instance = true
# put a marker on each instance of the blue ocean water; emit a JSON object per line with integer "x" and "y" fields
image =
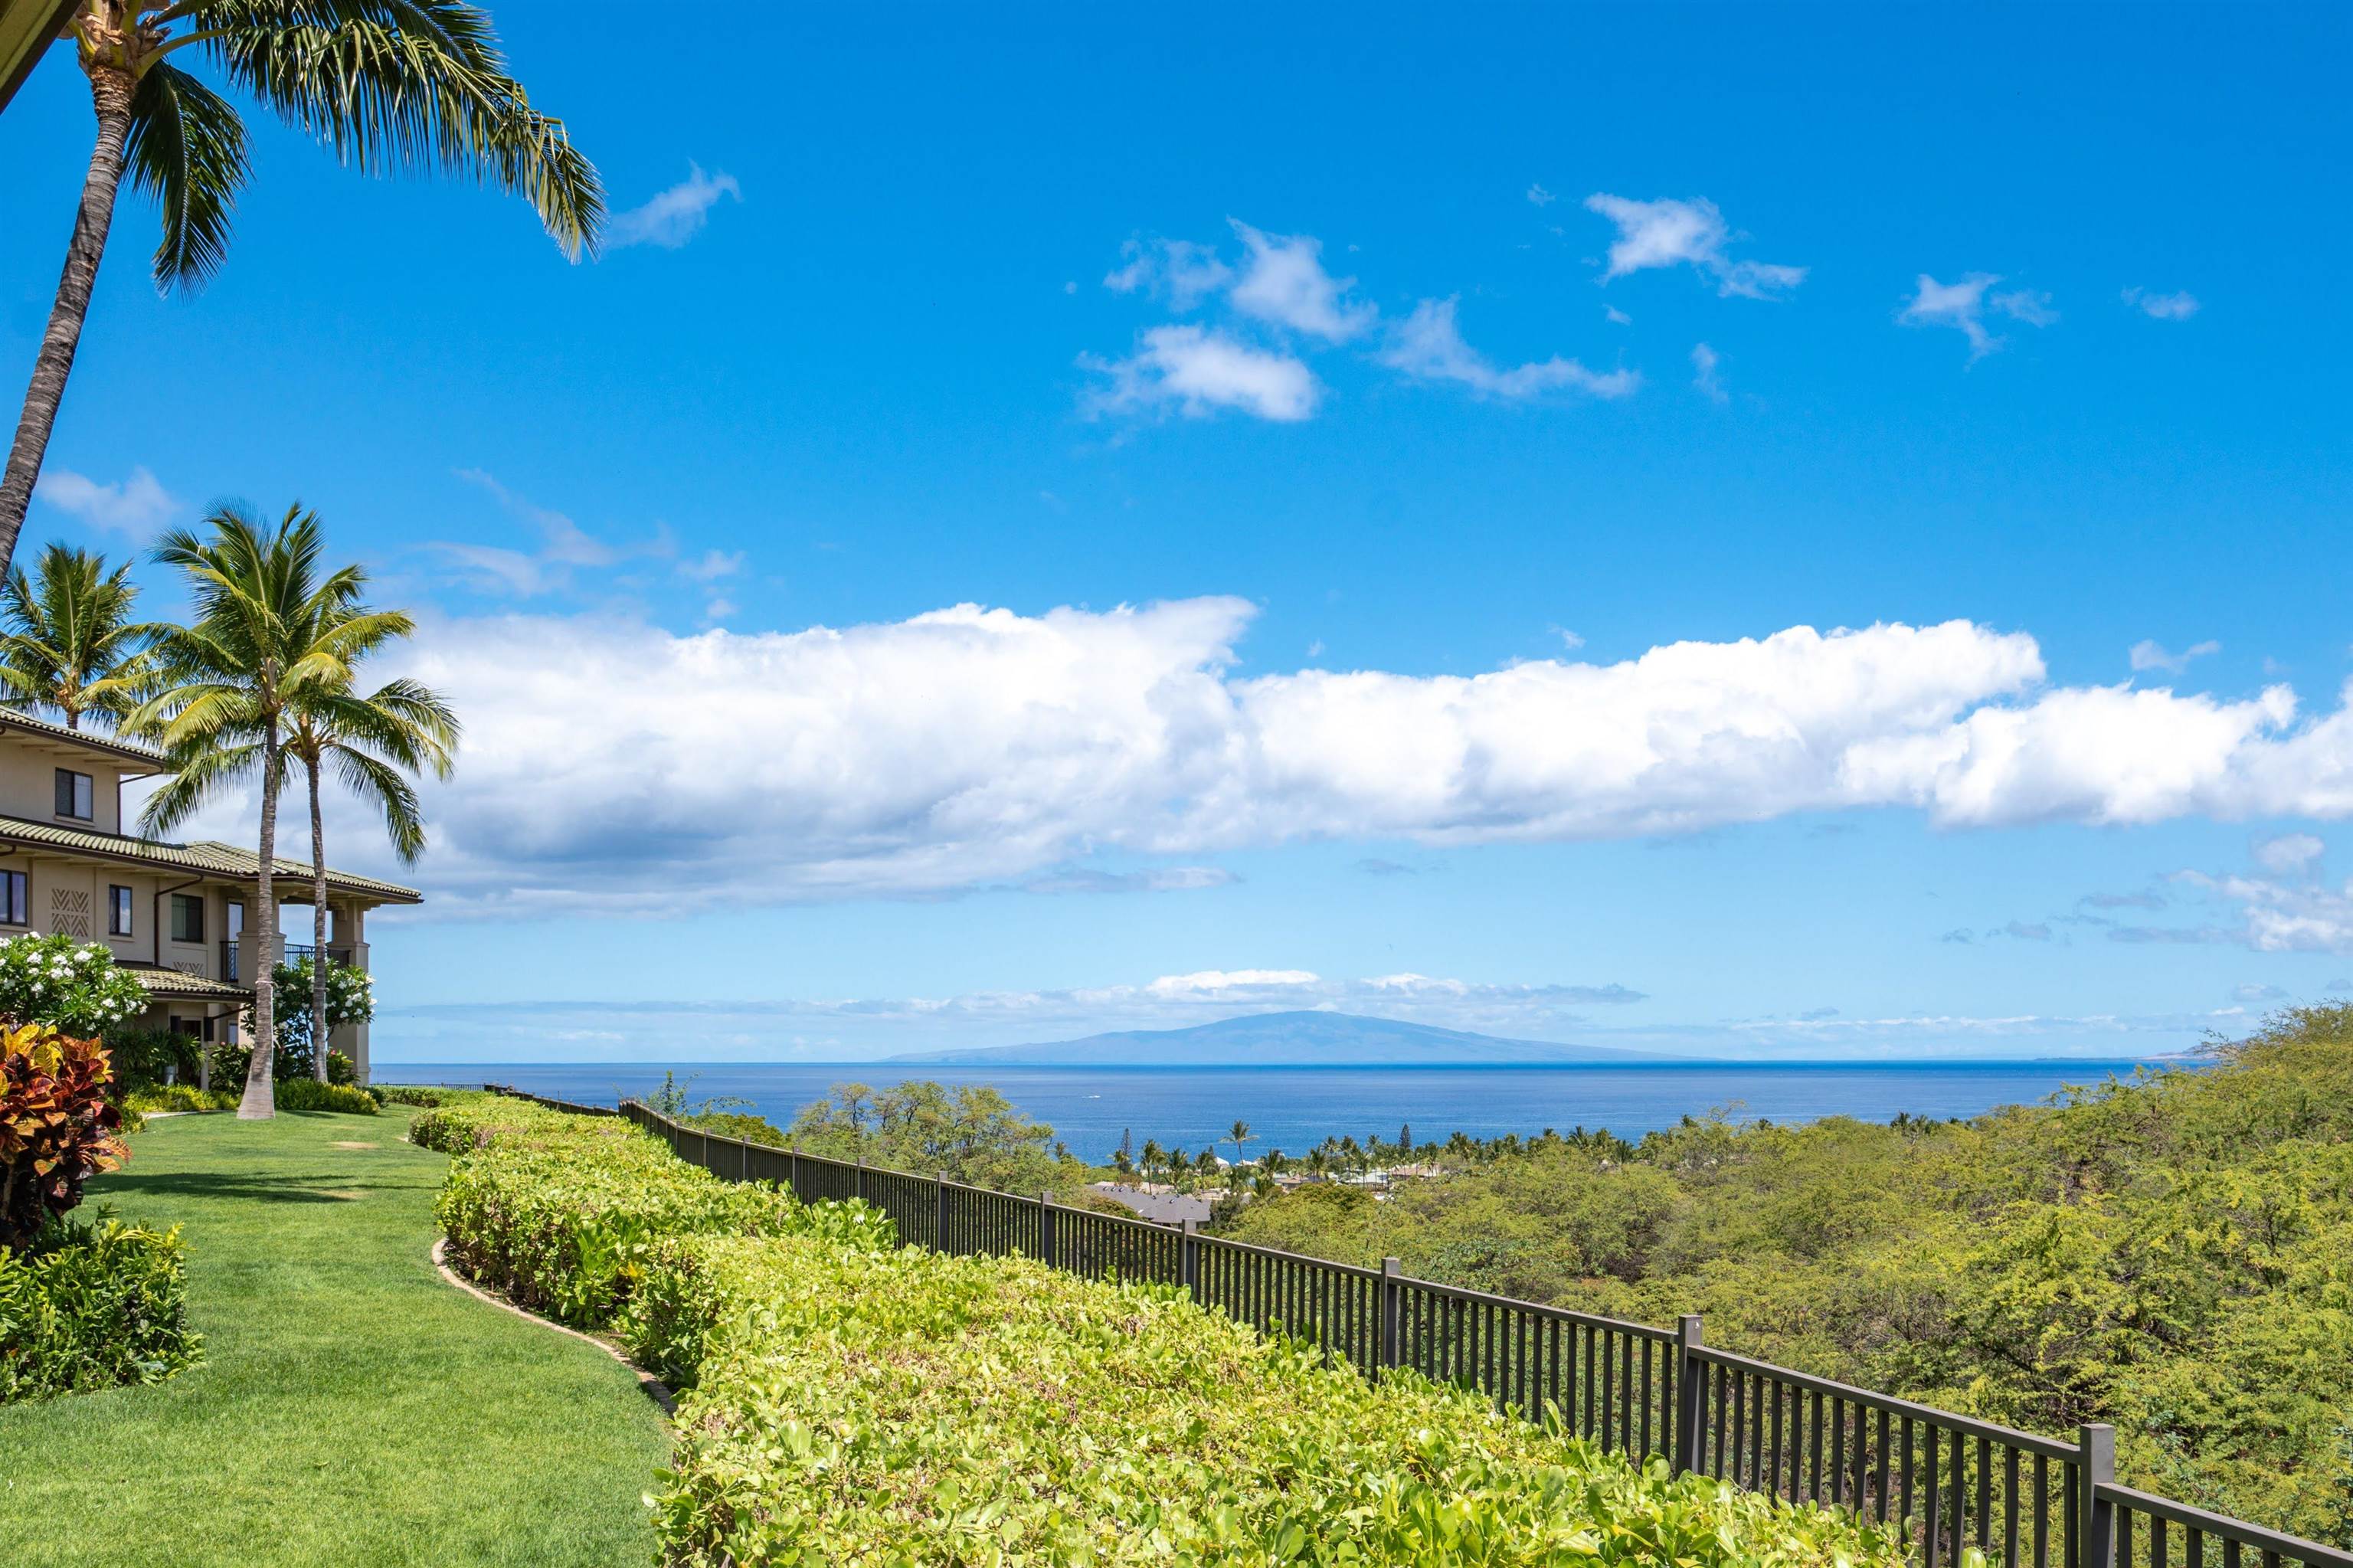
{"x": 1293, "y": 1109}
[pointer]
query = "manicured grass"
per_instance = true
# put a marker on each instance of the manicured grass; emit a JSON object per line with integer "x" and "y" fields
{"x": 352, "y": 1407}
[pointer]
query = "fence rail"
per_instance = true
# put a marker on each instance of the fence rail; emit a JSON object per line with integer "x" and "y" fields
{"x": 1951, "y": 1483}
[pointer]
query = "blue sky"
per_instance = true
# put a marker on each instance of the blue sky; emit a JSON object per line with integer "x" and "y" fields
{"x": 1468, "y": 409}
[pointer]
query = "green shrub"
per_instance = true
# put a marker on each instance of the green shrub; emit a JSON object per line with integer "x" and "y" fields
{"x": 412, "y": 1094}
{"x": 856, "y": 1402}
{"x": 232, "y": 1062}
{"x": 176, "y": 1097}
{"x": 905, "y": 1407}
{"x": 564, "y": 1213}
{"x": 144, "y": 1058}
{"x": 91, "y": 1306}
{"x": 310, "y": 1095}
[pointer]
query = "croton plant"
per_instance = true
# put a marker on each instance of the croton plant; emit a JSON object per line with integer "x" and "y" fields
{"x": 57, "y": 1128}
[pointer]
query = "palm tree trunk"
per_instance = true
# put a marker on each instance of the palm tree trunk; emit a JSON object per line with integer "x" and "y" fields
{"x": 318, "y": 928}
{"x": 260, "y": 1102}
{"x": 111, "y": 91}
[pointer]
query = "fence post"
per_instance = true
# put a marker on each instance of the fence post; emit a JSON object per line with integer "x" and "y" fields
{"x": 1045, "y": 1229}
{"x": 743, "y": 1162}
{"x": 2097, "y": 1468}
{"x": 1189, "y": 1259}
{"x": 792, "y": 1168}
{"x": 862, "y": 1175}
{"x": 940, "y": 1212}
{"x": 1390, "y": 1269}
{"x": 1691, "y": 1393}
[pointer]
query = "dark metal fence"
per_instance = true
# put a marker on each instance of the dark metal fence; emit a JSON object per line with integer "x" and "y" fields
{"x": 1951, "y": 1483}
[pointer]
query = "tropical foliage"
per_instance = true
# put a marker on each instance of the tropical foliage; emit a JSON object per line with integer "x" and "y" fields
{"x": 67, "y": 643}
{"x": 970, "y": 1132}
{"x": 58, "y": 1127}
{"x": 295, "y": 1093}
{"x": 2172, "y": 1253}
{"x": 273, "y": 627}
{"x": 90, "y": 1306}
{"x": 350, "y": 999}
{"x": 385, "y": 85}
{"x": 73, "y": 985}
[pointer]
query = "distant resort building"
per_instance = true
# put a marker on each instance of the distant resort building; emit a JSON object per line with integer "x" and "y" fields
{"x": 172, "y": 913}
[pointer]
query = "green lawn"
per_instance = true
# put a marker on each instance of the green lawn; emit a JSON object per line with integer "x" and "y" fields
{"x": 352, "y": 1407}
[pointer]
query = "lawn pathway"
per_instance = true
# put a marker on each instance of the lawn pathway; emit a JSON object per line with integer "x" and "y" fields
{"x": 352, "y": 1408}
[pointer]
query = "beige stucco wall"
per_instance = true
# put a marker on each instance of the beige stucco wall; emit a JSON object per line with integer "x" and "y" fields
{"x": 28, "y": 784}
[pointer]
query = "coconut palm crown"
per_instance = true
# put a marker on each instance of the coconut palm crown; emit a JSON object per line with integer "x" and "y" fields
{"x": 67, "y": 643}
{"x": 386, "y": 85}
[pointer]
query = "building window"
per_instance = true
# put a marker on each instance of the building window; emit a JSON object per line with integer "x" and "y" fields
{"x": 118, "y": 911}
{"x": 12, "y": 898}
{"x": 187, "y": 917}
{"x": 75, "y": 798}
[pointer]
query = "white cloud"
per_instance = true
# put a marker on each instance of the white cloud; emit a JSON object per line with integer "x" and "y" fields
{"x": 621, "y": 767}
{"x": 1686, "y": 233}
{"x": 1283, "y": 282}
{"x": 2253, "y": 993}
{"x": 1963, "y": 305}
{"x": 1428, "y": 346}
{"x": 2178, "y": 306}
{"x": 1704, "y": 362}
{"x": 137, "y": 507}
{"x": 1541, "y": 197}
{"x": 1177, "y": 270}
{"x": 1198, "y": 371}
{"x": 2282, "y": 915}
{"x": 675, "y": 215}
{"x": 712, "y": 566}
{"x": 2150, "y": 654}
{"x": 1615, "y": 316}
{"x": 2288, "y": 853}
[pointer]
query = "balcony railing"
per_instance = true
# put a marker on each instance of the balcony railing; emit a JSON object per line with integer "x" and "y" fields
{"x": 289, "y": 953}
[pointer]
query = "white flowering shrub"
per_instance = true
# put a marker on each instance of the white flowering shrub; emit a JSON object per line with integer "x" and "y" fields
{"x": 350, "y": 999}
{"x": 71, "y": 985}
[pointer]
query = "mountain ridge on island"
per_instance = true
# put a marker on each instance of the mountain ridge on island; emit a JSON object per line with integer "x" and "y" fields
{"x": 1284, "y": 1040}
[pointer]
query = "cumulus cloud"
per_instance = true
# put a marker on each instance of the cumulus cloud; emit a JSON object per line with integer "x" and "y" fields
{"x": 1283, "y": 282}
{"x": 675, "y": 215}
{"x": 1198, "y": 371}
{"x": 1704, "y": 362}
{"x": 1693, "y": 233}
{"x": 1428, "y": 347}
{"x": 2178, "y": 306}
{"x": 622, "y": 766}
{"x": 1180, "y": 271}
{"x": 137, "y": 507}
{"x": 1962, "y": 306}
{"x": 2150, "y": 654}
{"x": 2288, "y": 853}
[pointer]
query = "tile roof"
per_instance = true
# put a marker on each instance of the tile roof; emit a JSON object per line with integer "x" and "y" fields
{"x": 172, "y": 984}
{"x": 207, "y": 857}
{"x": 126, "y": 750}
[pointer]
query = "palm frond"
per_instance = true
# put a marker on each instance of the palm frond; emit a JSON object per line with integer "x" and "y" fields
{"x": 408, "y": 85}
{"x": 381, "y": 785}
{"x": 186, "y": 150}
{"x": 199, "y": 777}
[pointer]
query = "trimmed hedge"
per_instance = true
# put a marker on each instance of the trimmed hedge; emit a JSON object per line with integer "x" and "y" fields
{"x": 855, "y": 1404}
{"x": 93, "y": 1306}
{"x": 310, "y": 1095}
{"x": 159, "y": 1098}
{"x": 563, "y": 1212}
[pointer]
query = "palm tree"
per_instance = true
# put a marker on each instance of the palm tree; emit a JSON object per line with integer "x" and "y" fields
{"x": 270, "y": 630}
{"x": 408, "y": 85}
{"x": 67, "y": 643}
{"x": 373, "y": 743}
{"x": 1238, "y": 1135}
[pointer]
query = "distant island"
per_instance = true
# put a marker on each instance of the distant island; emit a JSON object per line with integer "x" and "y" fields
{"x": 1283, "y": 1039}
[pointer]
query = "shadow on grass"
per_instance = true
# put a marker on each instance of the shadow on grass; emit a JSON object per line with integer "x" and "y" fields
{"x": 257, "y": 1189}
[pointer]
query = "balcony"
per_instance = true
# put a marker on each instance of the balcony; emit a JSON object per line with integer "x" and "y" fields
{"x": 289, "y": 953}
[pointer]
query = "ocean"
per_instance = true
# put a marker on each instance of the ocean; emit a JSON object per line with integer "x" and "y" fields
{"x": 1293, "y": 1109}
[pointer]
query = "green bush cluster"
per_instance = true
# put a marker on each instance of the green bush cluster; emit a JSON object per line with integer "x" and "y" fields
{"x": 176, "y": 1097}
{"x": 412, "y": 1094}
{"x": 310, "y": 1095}
{"x": 854, "y": 1402}
{"x": 563, "y": 1214}
{"x": 2173, "y": 1253}
{"x": 92, "y": 1306}
{"x": 905, "y": 1407}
